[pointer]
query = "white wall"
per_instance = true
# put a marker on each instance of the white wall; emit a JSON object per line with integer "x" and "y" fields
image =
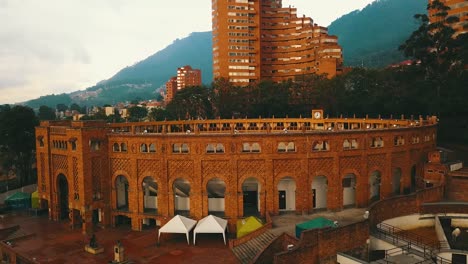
{"x": 349, "y": 196}
{"x": 320, "y": 186}
{"x": 120, "y": 194}
{"x": 289, "y": 186}
{"x": 182, "y": 203}
{"x": 439, "y": 230}
{"x": 463, "y": 223}
{"x": 409, "y": 222}
{"x": 378, "y": 244}
{"x": 151, "y": 202}
{"x": 216, "y": 204}
{"x": 345, "y": 259}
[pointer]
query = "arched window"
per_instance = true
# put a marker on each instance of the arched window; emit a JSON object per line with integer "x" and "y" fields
{"x": 116, "y": 147}
{"x": 144, "y": 148}
{"x": 245, "y": 147}
{"x": 184, "y": 148}
{"x": 210, "y": 148}
{"x": 291, "y": 147}
{"x": 152, "y": 148}
{"x": 354, "y": 144}
{"x": 320, "y": 146}
{"x": 255, "y": 147}
{"x": 281, "y": 147}
{"x": 346, "y": 144}
{"x": 123, "y": 147}
{"x": 219, "y": 148}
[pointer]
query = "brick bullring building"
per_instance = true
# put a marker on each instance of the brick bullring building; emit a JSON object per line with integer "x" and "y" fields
{"x": 142, "y": 174}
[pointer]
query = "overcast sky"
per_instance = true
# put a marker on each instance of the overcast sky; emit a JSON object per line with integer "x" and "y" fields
{"x": 56, "y": 46}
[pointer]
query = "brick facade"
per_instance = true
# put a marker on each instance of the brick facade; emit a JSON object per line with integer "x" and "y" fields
{"x": 92, "y": 157}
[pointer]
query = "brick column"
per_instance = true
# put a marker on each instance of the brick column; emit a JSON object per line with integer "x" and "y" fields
{"x": 268, "y": 200}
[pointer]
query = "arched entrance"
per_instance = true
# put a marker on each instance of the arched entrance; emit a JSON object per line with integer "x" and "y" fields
{"x": 374, "y": 186}
{"x": 150, "y": 195}
{"x": 413, "y": 178}
{"x": 251, "y": 197}
{"x": 62, "y": 187}
{"x": 349, "y": 190}
{"x": 396, "y": 181}
{"x": 216, "y": 189}
{"x": 181, "y": 189}
{"x": 121, "y": 189}
{"x": 287, "y": 194}
{"x": 319, "y": 192}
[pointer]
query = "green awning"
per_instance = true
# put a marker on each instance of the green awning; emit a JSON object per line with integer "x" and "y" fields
{"x": 18, "y": 196}
{"x": 319, "y": 222}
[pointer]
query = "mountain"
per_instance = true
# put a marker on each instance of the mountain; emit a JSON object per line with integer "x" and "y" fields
{"x": 143, "y": 79}
{"x": 371, "y": 37}
{"x": 195, "y": 50}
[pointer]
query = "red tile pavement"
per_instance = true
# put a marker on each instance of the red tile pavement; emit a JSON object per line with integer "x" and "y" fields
{"x": 56, "y": 243}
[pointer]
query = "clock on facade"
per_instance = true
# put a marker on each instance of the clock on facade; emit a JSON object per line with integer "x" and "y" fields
{"x": 317, "y": 114}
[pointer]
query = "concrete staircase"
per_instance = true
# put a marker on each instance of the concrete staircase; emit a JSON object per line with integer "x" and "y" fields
{"x": 246, "y": 252}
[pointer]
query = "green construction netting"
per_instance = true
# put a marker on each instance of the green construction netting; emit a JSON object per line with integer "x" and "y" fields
{"x": 320, "y": 222}
{"x": 248, "y": 225}
{"x": 19, "y": 200}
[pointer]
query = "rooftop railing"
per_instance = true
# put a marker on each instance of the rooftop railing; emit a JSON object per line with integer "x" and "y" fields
{"x": 267, "y": 126}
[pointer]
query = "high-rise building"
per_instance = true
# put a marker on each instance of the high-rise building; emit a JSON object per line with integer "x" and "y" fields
{"x": 186, "y": 76}
{"x": 458, "y": 8}
{"x": 260, "y": 39}
{"x": 171, "y": 89}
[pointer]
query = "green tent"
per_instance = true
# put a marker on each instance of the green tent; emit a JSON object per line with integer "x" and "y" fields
{"x": 19, "y": 200}
{"x": 248, "y": 225}
{"x": 320, "y": 222}
{"x": 35, "y": 200}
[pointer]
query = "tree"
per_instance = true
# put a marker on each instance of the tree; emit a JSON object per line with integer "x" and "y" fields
{"x": 191, "y": 102}
{"x": 438, "y": 50}
{"x": 76, "y": 107}
{"x": 137, "y": 113}
{"x": 46, "y": 113}
{"x": 158, "y": 114}
{"x": 62, "y": 107}
{"x": 17, "y": 142}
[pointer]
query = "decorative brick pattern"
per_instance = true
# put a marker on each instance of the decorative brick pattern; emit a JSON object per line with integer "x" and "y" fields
{"x": 120, "y": 165}
{"x": 180, "y": 168}
{"x": 375, "y": 161}
{"x": 149, "y": 166}
{"x": 320, "y": 165}
{"x": 76, "y": 188}
{"x": 398, "y": 159}
{"x": 283, "y": 166}
{"x": 350, "y": 163}
{"x": 43, "y": 176}
{"x": 250, "y": 167}
{"x": 59, "y": 162}
{"x": 215, "y": 168}
{"x": 96, "y": 170}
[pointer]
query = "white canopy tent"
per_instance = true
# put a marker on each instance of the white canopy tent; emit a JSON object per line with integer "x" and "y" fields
{"x": 178, "y": 224}
{"x": 211, "y": 224}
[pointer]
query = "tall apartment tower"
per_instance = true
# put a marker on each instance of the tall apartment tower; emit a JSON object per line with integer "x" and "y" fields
{"x": 259, "y": 39}
{"x": 171, "y": 89}
{"x": 186, "y": 76}
{"x": 458, "y": 8}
